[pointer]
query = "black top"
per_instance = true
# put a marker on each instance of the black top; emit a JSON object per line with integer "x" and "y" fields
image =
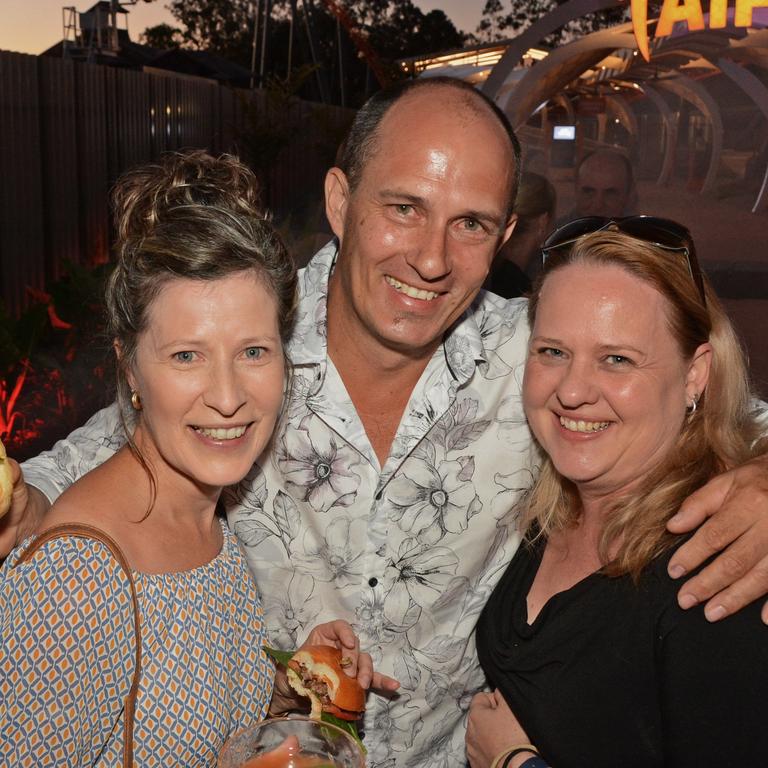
{"x": 612, "y": 674}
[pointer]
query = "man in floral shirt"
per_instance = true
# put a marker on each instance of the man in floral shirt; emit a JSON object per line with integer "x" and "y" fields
{"x": 388, "y": 496}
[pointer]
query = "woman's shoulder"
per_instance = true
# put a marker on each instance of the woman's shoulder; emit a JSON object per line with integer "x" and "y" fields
{"x": 69, "y": 568}
{"x": 663, "y": 590}
{"x": 66, "y": 624}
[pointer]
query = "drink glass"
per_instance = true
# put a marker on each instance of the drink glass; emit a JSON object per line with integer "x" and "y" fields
{"x": 291, "y": 742}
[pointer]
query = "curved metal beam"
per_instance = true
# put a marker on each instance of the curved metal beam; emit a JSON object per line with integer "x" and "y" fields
{"x": 670, "y": 132}
{"x": 754, "y": 88}
{"x": 619, "y": 105}
{"x": 544, "y": 26}
{"x": 559, "y": 68}
{"x": 566, "y": 104}
{"x": 695, "y": 93}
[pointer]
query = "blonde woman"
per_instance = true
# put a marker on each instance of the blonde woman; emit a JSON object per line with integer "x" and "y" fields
{"x": 636, "y": 391}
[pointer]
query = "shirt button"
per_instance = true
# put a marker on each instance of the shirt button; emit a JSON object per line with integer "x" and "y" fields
{"x": 361, "y": 734}
{"x": 373, "y": 581}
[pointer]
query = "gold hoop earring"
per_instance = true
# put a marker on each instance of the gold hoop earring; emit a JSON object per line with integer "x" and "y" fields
{"x": 136, "y": 400}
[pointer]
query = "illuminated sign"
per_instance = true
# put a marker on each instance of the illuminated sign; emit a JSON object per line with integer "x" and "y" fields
{"x": 563, "y": 132}
{"x": 689, "y": 11}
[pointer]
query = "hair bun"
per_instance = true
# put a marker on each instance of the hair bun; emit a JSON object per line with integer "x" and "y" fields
{"x": 144, "y": 195}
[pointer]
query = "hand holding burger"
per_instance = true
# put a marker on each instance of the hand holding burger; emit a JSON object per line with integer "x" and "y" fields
{"x": 349, "y": 666}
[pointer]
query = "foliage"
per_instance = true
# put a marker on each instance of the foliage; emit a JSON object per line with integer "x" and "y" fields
{"x": 501, "y": 20}
{"x": 399, "y": 29}
{"x": 270, "y": 127}
{"x": 275, "y": 119}
{"x": 8, "y": 399}
{"x": 162, "y": 36}
{"x": 394, "y": 29}
{"x": 53, "y": 371}
{"x": 220, "y": 26}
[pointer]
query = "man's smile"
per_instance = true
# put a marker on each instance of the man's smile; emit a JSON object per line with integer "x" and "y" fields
{"x": 410, "y": 290}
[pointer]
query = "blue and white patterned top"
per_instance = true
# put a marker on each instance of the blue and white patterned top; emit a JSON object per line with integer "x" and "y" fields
{"x": 67, "y": 658}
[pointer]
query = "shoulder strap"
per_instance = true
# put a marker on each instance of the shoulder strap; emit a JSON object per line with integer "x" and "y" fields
{"x": 90, "y": 532}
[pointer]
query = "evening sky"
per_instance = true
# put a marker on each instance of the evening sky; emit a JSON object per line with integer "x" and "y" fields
{"x": 32, "y": 26}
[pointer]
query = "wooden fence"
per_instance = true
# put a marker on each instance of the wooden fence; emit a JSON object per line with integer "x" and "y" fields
{"x": 68, "y": 130}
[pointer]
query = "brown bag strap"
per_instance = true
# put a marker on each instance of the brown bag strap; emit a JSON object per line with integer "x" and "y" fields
{"x": 89, "y": 532}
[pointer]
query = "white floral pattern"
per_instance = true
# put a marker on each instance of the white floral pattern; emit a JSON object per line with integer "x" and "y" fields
{"x": 433, "y": 498}
{"x": 407, "y": 552}
{"x": 330, "y": 556}
{"x": 317, "y": 466}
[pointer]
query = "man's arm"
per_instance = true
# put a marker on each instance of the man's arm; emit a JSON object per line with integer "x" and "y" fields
{"x": 732, "y": 510}
{"x": 43, "y": 478}
{"x": 28, "y": 507}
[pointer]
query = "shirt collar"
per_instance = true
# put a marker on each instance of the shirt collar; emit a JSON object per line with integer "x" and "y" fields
{"x": 309, "y": 340}
{"x": 462, "y": 345}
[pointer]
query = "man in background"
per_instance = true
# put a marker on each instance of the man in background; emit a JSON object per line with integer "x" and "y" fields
{"x": 605, "y": 185}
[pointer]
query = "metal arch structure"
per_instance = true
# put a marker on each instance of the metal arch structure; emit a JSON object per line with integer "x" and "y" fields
{"x": 695, "y": 93}
{"x": 546, "y": 25}
{"x": 560, "y": 67}
{"x": 565, "y": 64}
{"x": 756, "y": 91}
{"x": 670, "y": 132}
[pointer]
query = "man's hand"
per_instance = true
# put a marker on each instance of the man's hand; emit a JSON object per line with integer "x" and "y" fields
{"x": 28, "y": 506}
{"x": 736, "y": 504}
{"x": 338, "y": 634}
{"x": 341, "y": 635}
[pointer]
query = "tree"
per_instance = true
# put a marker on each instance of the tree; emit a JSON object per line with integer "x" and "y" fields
{"x": 504, "y": 20}
{"x": 224, "y": 27}
{"x": 394, "y": 28}
{"x": 406, "y": 32}
{"x": 162, "y": 36}
{"x": 493, "y": 22}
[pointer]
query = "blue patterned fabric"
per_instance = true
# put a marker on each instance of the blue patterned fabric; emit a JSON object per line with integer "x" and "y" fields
{"x": 67, "y": 658}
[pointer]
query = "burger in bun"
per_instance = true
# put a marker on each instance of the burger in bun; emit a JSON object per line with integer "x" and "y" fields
{"x": 317, "y": 672}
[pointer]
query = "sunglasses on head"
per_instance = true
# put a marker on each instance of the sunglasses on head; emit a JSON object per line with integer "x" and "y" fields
{"x": 663, "y": 233}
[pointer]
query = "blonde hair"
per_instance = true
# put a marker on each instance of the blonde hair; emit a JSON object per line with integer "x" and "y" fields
{"x": 718, "y": 436}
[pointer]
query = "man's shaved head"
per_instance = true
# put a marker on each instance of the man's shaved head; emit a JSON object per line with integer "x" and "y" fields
{"x": 361, "y": 142}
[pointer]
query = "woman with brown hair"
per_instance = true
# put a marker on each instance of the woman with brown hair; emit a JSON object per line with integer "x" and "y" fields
{"x": 636, "y": 390}
{"x": 199, "y": 306}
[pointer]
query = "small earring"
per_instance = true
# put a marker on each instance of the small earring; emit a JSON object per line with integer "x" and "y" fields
{"x": 135, "y": 400}
{"x": 691, "y": 409}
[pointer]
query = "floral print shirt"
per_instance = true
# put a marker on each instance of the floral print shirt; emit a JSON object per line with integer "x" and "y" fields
{"x": 409, "y": 552}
